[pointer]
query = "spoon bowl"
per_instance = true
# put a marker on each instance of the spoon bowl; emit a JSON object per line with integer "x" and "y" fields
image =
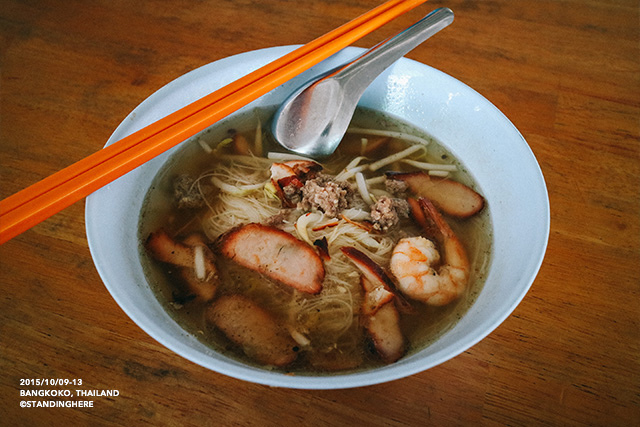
{"x": 313, "y": 120}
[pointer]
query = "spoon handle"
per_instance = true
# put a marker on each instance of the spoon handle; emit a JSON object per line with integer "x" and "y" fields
{"x": 360, "y": 72}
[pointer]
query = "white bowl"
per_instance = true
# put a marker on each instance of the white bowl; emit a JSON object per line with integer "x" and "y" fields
{"x": 470, "y": 126}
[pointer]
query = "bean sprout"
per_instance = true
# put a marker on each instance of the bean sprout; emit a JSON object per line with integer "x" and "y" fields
{"x": 397, "y": 135}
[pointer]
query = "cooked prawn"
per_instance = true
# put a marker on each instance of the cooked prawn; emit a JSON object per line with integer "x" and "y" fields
{"x": 414, "y": 260}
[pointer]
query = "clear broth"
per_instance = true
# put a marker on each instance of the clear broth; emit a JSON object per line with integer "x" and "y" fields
{"x": 421, "y": 328}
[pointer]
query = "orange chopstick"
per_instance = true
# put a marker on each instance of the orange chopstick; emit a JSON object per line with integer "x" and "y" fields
{"x": 38, "y": 202}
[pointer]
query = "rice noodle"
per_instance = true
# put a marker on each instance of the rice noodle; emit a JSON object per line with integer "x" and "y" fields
{"x": 229, "y": 210}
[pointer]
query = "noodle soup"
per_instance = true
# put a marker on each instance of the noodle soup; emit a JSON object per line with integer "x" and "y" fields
{"x": 343, "y": 298}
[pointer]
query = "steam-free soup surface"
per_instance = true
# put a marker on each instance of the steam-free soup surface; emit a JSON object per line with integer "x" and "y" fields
{"x": 227, "y": 186}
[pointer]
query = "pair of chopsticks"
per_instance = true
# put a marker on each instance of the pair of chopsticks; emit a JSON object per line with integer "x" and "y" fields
{"x": 38, "y": 202}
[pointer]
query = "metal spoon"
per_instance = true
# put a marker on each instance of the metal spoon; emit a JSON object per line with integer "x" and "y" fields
{"x": 313, "y": 120}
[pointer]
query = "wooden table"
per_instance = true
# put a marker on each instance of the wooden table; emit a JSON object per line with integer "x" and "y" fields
{"x": 566, "y": 72}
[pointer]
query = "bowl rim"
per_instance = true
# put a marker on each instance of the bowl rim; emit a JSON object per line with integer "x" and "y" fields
{"x": 403, "y": 368}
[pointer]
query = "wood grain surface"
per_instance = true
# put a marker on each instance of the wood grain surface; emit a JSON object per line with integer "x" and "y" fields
{"x": 566, "y": 72}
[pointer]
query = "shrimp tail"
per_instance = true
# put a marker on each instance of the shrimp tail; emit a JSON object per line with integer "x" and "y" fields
{"x": 453, "y": 248}
{"x": 426, "y": 215}
{"x": 418, "y": 214}
{"x": 431, "y": 215}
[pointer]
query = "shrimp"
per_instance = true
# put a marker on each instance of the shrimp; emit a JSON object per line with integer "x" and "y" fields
{"x": 414, "y": 260}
